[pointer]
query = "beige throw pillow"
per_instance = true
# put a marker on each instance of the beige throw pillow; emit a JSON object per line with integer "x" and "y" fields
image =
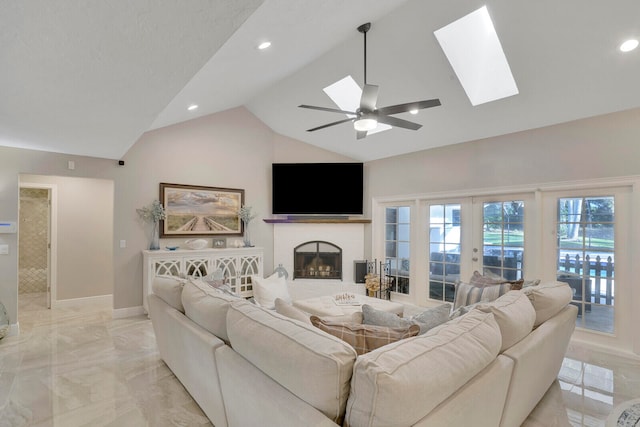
{"x": 364, "y": 338}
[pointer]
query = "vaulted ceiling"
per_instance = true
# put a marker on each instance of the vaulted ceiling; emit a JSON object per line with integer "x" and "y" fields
{"x": 90, "y": 77}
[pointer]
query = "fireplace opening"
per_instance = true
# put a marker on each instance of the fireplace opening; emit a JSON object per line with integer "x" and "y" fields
{"x": 317, "y": 260}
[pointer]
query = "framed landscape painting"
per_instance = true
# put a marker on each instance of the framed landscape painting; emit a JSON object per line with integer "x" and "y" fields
{"x": 193, "y": 210}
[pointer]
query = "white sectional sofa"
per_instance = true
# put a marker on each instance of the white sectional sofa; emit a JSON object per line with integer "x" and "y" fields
{"x": 247, "y": 366}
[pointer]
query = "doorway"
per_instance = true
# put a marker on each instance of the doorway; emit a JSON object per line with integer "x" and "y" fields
{"x": 34, "y": 245}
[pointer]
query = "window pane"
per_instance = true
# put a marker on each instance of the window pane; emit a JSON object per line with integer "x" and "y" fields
{"x": 397, "y": 247}
{"x": 503, "y": 238}
{"x": 444, "y": 250}
{"x": 404, "y": 214}
{"x": 586, "y": 242}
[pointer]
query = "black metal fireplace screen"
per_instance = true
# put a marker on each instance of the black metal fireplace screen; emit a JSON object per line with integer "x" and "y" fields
{"x": 317, "y": 260}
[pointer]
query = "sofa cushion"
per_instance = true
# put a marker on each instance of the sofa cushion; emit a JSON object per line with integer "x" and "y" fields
{"x": 399, "y": 384}
{"x": 364, "y": 338}
{"x": 515, "y": 316}
{"x": 467, "y": 294}
{"x": 207, "y": 307}
{"x": 428, "y": 319}
{"x": 169, "y": 289}
{"x": 266, "y": 290}
{"x": 311, "y": 364}
{"x": 548, "y": 298}
{"x": 290, "y": 311}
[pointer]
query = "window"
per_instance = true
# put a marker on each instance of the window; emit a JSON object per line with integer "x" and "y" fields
{"x": 397, "y": 246}
{"x": 586, "y": 257}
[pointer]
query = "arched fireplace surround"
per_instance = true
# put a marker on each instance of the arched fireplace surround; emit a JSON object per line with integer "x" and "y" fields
{"x": 317, "y": 259}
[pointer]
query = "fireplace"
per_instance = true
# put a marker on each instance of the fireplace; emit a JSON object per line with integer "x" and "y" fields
{"x": 317, "y": 260}
{"x": 347, "y": 237}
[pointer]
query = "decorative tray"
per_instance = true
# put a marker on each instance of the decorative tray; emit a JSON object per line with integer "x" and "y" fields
{"x": 346, "y": 298}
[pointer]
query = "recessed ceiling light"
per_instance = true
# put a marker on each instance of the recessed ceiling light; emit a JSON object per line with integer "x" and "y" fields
{"x": 414, "y": 112}
{"x": 629, "y": 45}
{"x": 192, "y": 107}
{"x": 264, "y": 45}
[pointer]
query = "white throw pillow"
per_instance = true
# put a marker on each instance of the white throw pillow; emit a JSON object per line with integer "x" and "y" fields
{"x": 266, "y": 290}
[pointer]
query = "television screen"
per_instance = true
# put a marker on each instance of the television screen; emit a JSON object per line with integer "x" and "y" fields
{"x": 317, "y": 188}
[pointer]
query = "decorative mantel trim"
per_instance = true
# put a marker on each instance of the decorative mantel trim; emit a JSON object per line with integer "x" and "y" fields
{"x": 316, "y": 221}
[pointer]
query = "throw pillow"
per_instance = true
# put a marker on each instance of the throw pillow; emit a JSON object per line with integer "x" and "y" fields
{"x": 468, "y": 294}
{"x": 372, "y": 316}
{"x": 432, "y": 317}
{"x": 426, "y": 320}
{"x": 266, "y": 290}
{"x": 290, "y": 311}
{"x": 364, "y": 338}
{"x": 490, "y": 278}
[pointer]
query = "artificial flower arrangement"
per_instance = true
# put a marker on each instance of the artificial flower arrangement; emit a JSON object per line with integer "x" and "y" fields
{"x": 372, "y": 282}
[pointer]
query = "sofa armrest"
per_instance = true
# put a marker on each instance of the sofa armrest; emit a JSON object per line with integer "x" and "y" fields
{"x": 538, "y": 359}
{"x": 253, "y": 399}
{"x": 188, "y": 350}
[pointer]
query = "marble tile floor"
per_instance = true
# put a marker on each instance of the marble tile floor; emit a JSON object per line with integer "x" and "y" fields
{"x": 79, "y": 367}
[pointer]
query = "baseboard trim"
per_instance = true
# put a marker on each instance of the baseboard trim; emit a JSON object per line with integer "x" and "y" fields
{"x": 73, "y": 302}
{"x": 602, "y": 348}
{"x": 14, "y": 329}
{"x": 121, "y": 313}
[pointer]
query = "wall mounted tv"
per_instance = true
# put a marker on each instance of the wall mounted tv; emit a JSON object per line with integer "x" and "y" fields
{"x": 317, "y": 188}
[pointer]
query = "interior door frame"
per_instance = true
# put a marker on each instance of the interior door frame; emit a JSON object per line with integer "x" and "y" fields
{"x": 52, "y": 235}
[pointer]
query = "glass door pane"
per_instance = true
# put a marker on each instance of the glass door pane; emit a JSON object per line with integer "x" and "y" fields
{"x": 444, "y": 250}
{"x": 503, "y": 239}
{"x": 397, "y": 246}
{"x": 586, "y": 257}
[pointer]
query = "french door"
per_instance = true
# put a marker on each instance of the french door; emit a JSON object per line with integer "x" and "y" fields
{"x": 484, "y": 234}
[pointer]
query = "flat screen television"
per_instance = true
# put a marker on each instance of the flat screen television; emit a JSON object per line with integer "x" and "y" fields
{"x": 317, "y": 189}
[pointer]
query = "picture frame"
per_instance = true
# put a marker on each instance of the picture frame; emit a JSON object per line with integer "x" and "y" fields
{"x": 219, "y": 243}
{"x": 196, "y": 210}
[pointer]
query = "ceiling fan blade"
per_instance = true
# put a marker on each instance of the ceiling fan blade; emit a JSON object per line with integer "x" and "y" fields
{"x": 331, "y": 110}
{"x": 403, "y": 108}
{"x": 329, "y": 124}
{"x": 361, "y": 134}
{"x": 369, "y": 97}
{"x": 400, "y": 123}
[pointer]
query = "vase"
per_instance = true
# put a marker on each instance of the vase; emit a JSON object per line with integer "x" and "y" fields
{"x": 155, "y": 237}
{"x": 246, "y": 239}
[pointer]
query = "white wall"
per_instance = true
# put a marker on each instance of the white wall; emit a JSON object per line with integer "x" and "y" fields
{"x": 599, "y": 147}
{"x": 229, "y": 149}
{"x": 84, "y": 235}
{"x": 13, "y": 162}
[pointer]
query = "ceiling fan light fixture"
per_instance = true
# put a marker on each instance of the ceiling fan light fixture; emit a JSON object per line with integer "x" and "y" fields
{"x": 365, "y": 124}
{"x": 629, "y": 45}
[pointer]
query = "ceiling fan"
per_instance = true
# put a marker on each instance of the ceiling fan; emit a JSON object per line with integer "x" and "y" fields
{"x": 367, "y": 116}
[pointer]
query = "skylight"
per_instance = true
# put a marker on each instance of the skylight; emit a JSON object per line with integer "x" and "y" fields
{"x": 346, "y": 95}
{"x": 475, "y": 53}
